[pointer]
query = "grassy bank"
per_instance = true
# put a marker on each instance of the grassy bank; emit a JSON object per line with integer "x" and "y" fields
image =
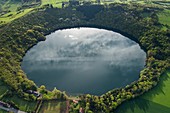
{"x": 155, "y": 101}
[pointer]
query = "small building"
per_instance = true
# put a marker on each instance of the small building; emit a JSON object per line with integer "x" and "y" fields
{"x": 65, "y": 4}
{"x": 35, "y": 93}
{"x": 75, "y": 101}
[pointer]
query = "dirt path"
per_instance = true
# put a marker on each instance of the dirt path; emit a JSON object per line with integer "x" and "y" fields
{"x": 67, "y": 106}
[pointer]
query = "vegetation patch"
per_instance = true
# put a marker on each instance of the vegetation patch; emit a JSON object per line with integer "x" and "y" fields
{"x": 3, "y": 88}
{"x": 164, "y": 17}
{"x": 3, "y": 111}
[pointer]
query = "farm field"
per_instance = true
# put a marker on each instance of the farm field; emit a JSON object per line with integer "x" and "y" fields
{"x": 12, "y": 6}
{"x": 55, "y": 3}
{"x": 53, "y": 107}
{"x": 155, "y": 101}
{"x": 10, "y": 10}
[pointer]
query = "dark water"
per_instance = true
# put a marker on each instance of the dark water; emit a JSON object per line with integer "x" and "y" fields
{"x": 85, "y": 60}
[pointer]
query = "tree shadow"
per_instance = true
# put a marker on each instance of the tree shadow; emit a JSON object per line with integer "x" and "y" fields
{"x": 141, "y": 102}
{"x": 158, "y": 89}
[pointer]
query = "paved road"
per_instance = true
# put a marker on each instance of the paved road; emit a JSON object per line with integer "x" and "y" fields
{"x": 6, "y": 109}
{"x": 11, "y": 109}
{"x": 21, "y": 111}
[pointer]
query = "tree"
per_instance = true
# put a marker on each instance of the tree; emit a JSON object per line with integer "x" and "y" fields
{"x": 43, "y": 89}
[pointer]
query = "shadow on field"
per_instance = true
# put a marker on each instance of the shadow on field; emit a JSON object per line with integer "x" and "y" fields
{"x": 159, "y": 88}
{"x": 131, "y": 105}
{"x": 141, "y": 105}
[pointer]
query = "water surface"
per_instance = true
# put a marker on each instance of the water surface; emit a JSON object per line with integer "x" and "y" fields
{"x": 84, "y": 60}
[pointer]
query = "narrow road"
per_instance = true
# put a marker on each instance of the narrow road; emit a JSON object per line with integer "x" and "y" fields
{"x": 6, "y": 109}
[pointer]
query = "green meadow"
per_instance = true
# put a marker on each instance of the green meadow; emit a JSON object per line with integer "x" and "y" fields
{"x": 12, "y": 6}
{"x": 55, "y": 3}
{"x": 155, "y": 101}
{"x": 164, "y": 17}
{"x": 12, "y": 13}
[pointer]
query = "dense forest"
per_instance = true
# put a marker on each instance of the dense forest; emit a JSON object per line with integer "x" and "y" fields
{"x": 139, "y": 23}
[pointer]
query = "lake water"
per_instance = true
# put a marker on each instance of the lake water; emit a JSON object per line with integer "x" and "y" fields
{"x": 84, "y": 60}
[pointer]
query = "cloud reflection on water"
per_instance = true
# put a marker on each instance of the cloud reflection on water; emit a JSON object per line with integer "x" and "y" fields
{"x": 78, "y": 60}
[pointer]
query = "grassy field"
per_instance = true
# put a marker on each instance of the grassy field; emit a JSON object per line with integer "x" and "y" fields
{"x": 55, "y": 3}
{"x": 23, "y": 105}
{"x": 3, "y": 111}
{"x": 164, "y": 17}
{"x": 6, "y": 18}
{"x": 155, "y": 101}
{"x": 12, "y": 7}
{"x": 14, "y": 14}
{"x": 53, "y": 107}
{"x": 3, "y": 88}
{"x": 161, "y": 93}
